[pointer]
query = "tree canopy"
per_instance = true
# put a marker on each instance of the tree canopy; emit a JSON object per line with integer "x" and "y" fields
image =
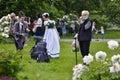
{"x": 103, "y": 10}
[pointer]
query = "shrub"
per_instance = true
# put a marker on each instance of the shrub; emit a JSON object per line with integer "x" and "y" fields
{"x": 6, "y": 40}
{"x": 9, "y": 64}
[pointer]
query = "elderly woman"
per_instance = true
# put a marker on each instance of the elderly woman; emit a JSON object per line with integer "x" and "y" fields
{"x": 84, "y": 34}
{"x": 20, "y": 28}
{"x": 51, "y": 37}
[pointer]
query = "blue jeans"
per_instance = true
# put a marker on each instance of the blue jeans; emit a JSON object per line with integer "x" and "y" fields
{"x": 38, "y": 39}
{"x": 102, "y": 35}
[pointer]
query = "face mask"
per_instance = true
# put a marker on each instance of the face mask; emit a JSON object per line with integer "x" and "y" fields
{"x": 85, "y": 17}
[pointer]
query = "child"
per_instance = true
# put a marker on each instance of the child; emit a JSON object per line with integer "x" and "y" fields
{"x": 102, "y": 32}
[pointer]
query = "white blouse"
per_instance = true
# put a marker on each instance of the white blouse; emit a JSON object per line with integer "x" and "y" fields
{"x": 39, "y": 23}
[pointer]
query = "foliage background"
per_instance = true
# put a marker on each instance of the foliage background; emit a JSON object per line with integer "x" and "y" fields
{"x": 102, "y": 11}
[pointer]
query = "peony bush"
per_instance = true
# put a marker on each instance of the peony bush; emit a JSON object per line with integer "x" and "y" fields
{"x": 105, "y": 69}
{"x": 4, "y": 26}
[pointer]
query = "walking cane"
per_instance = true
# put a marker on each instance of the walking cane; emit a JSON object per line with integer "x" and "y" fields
{"x": 75, "y": 51}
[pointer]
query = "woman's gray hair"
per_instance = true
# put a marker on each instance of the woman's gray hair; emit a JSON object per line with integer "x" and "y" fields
{"x": 85, "y": 12}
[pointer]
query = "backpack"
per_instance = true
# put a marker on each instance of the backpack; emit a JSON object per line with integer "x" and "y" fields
{"x": 43, "y": 57}
{"x": 39, "y": 52}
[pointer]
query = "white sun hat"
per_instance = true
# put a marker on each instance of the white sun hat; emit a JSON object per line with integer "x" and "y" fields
{"x": 45, "y": 14}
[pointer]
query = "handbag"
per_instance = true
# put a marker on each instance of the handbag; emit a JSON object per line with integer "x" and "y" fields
{"x": 75, "y": 45}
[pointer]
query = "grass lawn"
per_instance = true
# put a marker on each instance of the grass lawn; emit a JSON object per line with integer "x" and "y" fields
{"x": 109, "y": 34}
{"x": 57, "y": 69}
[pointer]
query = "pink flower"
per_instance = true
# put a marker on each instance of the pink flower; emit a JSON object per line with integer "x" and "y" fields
{"x": 5, "y": 78}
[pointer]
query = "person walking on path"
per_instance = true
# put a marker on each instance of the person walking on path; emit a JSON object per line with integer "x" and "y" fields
{"x": 84, "y": 34}
{"x": 51, "y": 37}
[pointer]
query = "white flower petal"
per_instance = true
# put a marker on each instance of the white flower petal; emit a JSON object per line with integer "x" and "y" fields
{"x": 115, "y": 68}
{"x": 77, "y": 71}
{"x": 113, "y": 44}
{"x": 88, "y": 59}
{"x": 100, "y": 56}
{"x": 115, "y": 58}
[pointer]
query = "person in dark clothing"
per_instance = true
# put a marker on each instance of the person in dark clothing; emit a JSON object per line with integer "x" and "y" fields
{"x": 21, "y": 13}
{"x": 58, "y": 26}
{"x": 38, "y": 29}
{"x": 84, "y": 34}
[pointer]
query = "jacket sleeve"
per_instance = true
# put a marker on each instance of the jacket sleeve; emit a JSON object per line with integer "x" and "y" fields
{"x": 88, "y": 25}
{"x": 16, "y": 29}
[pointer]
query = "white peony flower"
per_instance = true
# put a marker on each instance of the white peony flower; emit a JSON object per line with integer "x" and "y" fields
{"x": 3, "y": 18}
{"x": 88, "y": 59}
{"x": 78, "y": 69}
{"x": 9, "y": 16}
{"x": 6, "y": 22}
{"x": 5, "y": 35}
{"x": 2, "y": 24}
{"x": 6, "y": 29}
{"x": 100, "y": 56}
{"x": 115, "y": 58}
{"x": 0, "y": 20}
{"x": 1, "y": 29}
{"x": 115, "y": 68}
{"x": 6, "y": 18}
{"x": 112, "y": 44}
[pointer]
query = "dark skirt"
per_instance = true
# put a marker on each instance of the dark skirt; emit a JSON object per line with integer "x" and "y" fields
{"x": 38, "y": 34}
{"x": 39, "y": 31}
{"x": 19, "y": 42}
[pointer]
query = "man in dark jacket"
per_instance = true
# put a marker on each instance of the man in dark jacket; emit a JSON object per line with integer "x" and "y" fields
{"x": 84, "y": 34}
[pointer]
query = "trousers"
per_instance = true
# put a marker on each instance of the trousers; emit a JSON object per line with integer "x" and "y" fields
{"x": 84, "y": 47}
